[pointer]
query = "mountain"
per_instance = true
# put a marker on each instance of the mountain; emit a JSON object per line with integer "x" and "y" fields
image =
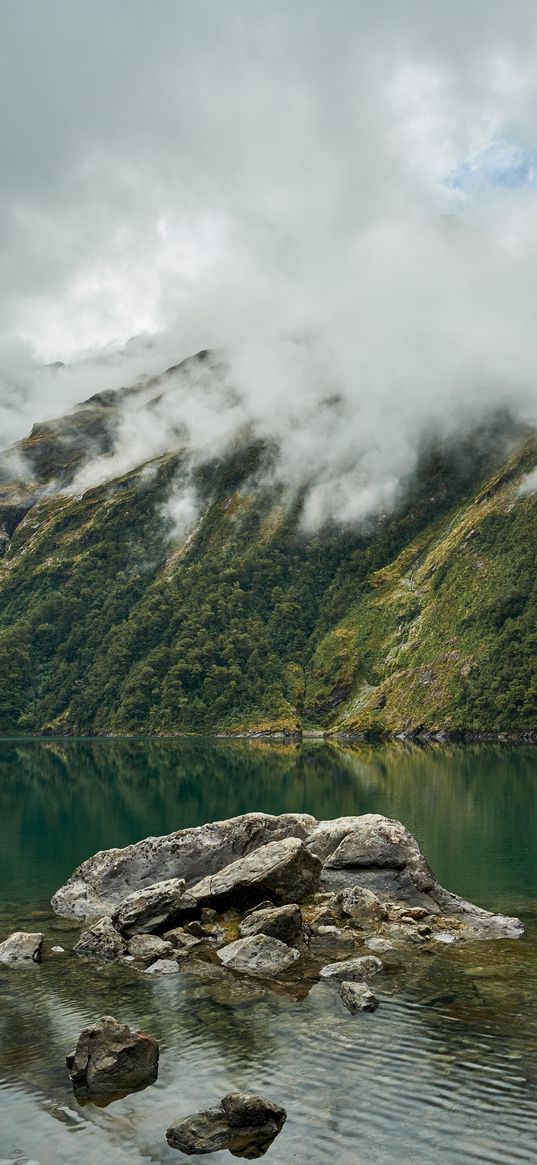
{"x": 113, "y": 621}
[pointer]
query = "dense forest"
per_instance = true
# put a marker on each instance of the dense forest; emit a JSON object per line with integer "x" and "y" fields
{"x": 423, "y": 620}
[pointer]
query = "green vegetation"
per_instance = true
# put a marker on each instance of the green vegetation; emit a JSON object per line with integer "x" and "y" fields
{"x": 428, "y": 620}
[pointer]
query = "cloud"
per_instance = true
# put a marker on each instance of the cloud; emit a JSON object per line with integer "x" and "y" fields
{"x": 339, "y": 197}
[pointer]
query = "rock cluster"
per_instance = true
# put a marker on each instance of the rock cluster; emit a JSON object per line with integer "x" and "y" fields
{"x": 244, "y": 1123}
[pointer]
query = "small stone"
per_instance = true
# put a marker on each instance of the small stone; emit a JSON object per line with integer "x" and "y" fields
{"x": 204, "y": 1132}
{"x": 208, "y": 915}
{"x": 163, "y": 967}
{"x": 149, "y": 946}
{"x": 246, "y": 1109}
{"x": 258, "y": 955}
{"x": 57, "y": 950}
{"x": 101, "y": 942}
{"x": 283, "y": 922}
{"x": 361, "y": 905}
{"x": 22, "y": 948}
{"x": 181, "y": 939}
{"x": 353, "y": 969}
{"x": 358, "y": 997}
{"x": 110, "y": 1058}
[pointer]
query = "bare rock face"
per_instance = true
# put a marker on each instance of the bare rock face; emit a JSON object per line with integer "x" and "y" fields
{"x": 21, "y": 949}
{"x": 158, "y": 907}
{"x": 281, "y": 870}
{"x": 283, "y": 922}
{"x": 99, "y": 885}
{"x": 358, "y": 997}
{"x": 101, "y": 942}
{"x": 355, "y": 970}
{"x": 258, "y": 955}
{"x": 243, "y": 1123}
{"x": 109, "y": 1058}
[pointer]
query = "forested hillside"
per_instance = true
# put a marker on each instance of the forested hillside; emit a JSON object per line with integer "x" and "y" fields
{"x": 112, "y": 623}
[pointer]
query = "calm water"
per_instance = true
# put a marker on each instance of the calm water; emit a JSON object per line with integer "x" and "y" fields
{"x": 445, "y": 1071}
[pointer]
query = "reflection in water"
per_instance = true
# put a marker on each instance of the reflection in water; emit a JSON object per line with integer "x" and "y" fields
{"x": 445, "y": 1071}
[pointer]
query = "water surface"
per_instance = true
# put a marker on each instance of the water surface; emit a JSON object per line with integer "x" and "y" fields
{"x": 445, "y": 1071}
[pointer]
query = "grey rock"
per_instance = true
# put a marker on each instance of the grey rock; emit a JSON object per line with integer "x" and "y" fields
{"x": 358, "y": 969}
{"x": 163, "y": 967}
{"x": 361, "y": 905}
{"x": 203, "y": 1132}
{"x": 331, "y": 942}
{"x": 181, "y": 939}
{"x": 99, "y": 885}
{"x": 244, "y": 1123}
{"x": 283, "y": 869}
{"x": 258, "y": 955}
{"x": 283, "y": 922}
{"x": 22, "y": 948}
{"x": 110, "y": 1058}
{"x": 247, "y": 1109}
{"x": 149, "y": 946}
{"x": 101, "y": 942}
{"x": 358, "y": 997}
{"x": 157, "y": 907}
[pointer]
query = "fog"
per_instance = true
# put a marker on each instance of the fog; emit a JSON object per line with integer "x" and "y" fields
{"x": 338, "y": 199}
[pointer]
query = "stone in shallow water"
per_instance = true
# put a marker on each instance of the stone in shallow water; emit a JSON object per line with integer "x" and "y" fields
{"x": 353, "y": 969}
{"x": 149, "y": 946}
{"x": 163, "y": 967}
{"x": 244, "y": 1123}
{"x": 22, "y": 948}
{"x": 258, "y": 955}
{"x": 358, "y": 997}
{"x": 158, "y": 907}
{"x": 101, "y": 942}
{"x": 109, "y": 1058}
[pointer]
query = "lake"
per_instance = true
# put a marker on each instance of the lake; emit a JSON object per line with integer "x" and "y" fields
{"x": 444, "y": 1072}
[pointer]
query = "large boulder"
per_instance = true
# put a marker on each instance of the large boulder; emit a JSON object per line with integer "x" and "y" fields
{"x": 101, "y": 942}
{"x": 258, "y": 955}
{"x": 158, "y": 907}
{"x": 99, "y": 885}
{"x": 22, "y": 948}
{"x": 283, "y": 922}
{"x": 109, "y": 1058}
{"x": 243, "y": 1123}
{"x": 284, "y": 871}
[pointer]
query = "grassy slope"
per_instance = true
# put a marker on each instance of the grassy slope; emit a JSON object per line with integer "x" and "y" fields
{"x": 108, "y": 625}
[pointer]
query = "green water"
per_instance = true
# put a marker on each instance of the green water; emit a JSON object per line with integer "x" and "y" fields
{"x": 416, "y": 1083}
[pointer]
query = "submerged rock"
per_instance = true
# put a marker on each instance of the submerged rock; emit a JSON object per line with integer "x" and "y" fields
{"x": 22, "y": 948}
{"x": 358, "y": 997}
{"x": 258, "y": 955}
{"x": 284, "y": 870}
{"x": 243, "y": 1123}
{"x": 158, "y": 907}
{"x": 163, "y": 967}
{"x": 353, "y": 969}
{"x": 109, "y": 1058}
{"x": 101, "y": 942}
{"x": 283, "y": 922}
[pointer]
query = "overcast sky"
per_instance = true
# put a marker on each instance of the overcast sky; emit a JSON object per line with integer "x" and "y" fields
{"x": 213, "y": 171}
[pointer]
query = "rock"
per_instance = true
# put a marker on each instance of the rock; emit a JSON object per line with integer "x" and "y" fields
{"x": 265, "y": 905}
{"x": 99, "y": 885}
{"x": 207, "y": 915}
{"x": 353, "y": 969}
{"x": 247, "y": 1109}
{"x": 101, "y": 942}
{"x": 244, "y": 1123}
{"x": 283, "y": 922}
{"x": 204, "y": 1132}
{"x": 283, "y": 869}
{"x": 358, "y": 997}
{"x": 361, "y": 905}
{"x": 258, "y": 955}
{"x": 149, "y": 946}
{"x": 57, "y": 950}
{"x": 157, "y": 907}
{"x": 22, "y": 948}
{"x": 163, "y": 967}
{"x": 331, "y": 941}
{"x": 110, "y": 1058}
{"x": 196, "y": 930}
{"x": 180, "y": 938}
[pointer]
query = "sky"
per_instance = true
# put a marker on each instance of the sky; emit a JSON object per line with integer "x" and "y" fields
{"x": 339, "y": 194}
